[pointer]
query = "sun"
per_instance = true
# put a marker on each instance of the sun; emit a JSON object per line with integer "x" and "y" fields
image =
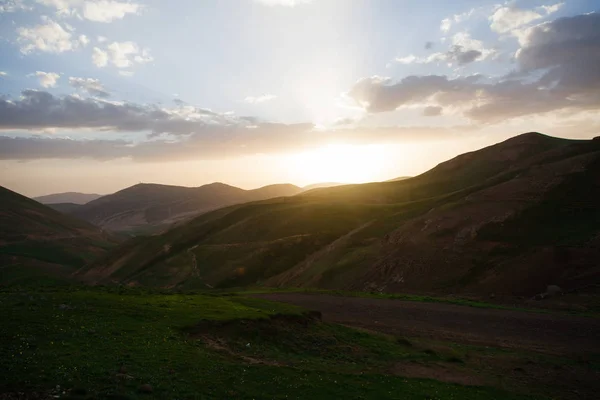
{"x": 343, "y": 163}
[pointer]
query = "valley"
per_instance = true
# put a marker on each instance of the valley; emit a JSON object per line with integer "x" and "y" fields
{"x": 475, "y": 280}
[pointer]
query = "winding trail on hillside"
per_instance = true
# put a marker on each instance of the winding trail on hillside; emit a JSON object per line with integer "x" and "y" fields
{"x": 548, "y": 333}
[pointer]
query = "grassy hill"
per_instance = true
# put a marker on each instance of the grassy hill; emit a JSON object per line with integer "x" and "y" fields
{"x": 151, "y": 207}
{"x": 37, "y": 241}
{"x": 511, "y": 218}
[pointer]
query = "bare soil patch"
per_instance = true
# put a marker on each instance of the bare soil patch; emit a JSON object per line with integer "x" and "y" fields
{"x": 547, "y": 333}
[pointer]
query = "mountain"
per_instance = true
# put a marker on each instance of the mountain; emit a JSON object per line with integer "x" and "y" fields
{"x": 400, "y": 178}
{"x": 65, "y": 208}
{"x": 511, "y": 218}
{"x": 322, "y": 185}
{"x": 68, "y": 197}
{"x": 37, "y": 241}
{"x": 149, "y": 207}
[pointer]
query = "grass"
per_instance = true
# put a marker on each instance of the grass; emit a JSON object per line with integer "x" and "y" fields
{"x": 101, "y": 343}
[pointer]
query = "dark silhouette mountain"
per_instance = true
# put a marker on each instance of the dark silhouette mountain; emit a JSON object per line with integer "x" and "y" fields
{"x": 68, "y": 197}
{"x": 36, "y": 240}
{"x": 510, "y": 218}
{"x": 146, "y": 207}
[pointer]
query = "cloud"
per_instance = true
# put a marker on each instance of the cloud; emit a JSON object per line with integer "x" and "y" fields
{"x": 83, "y": 40}
{"x": 260, "y": 99}
{"x": 429, "y": 45}
{"x": 126, "y": 73}
{"x": 3, "y": 73}
{"x": 192, "y": 133}
{"x": 101, "y": 39}
{"x": 9, "y": 6}
{"x": 48, "y": 37}
{"x": 93, "y": 10}
{"x": 121, "y": 55}
{"x": 411, "y": 58}
{"x": 89, "y": 85}
{"x": 47, "y": 79}
{"x": 99, "y": 57}
{"x": 432, "y": 111}
{"x": 509, "y": 17}
{"x": 447, "y": 23}
{"x": 36, "y": 110}
{"x": 464, "y": 50}
{"x": 286, "y": 3}
{"x": 557, "y": 71}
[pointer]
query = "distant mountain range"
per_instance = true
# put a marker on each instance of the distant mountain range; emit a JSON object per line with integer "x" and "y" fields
{"x": 149, "y": 207}
{"x": 38, "y": 243}
{"x": 510, "y": 218}
{"x": 67, "y": 197}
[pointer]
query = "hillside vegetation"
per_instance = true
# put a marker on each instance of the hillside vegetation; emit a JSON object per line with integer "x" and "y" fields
{"x": 40, "y": 243}
{"x": 510, "y": 218}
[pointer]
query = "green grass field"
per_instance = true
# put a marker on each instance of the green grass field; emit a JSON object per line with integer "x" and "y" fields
{"x": 106, "y": 343}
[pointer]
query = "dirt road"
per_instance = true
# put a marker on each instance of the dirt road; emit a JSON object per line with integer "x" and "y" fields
{"x": 549, "y": 333}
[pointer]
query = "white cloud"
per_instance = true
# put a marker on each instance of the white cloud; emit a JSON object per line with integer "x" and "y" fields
{"x": 8, "y": 6}
{"x": 286, "y": 3}
{"x": 508, "y": 18}
{"x": 108, "y": 11}
{"x": 505, "y": 19}
{"x": 83, "y": 40}
{"x": 93, "y": 10}
{"x": 99, "y": 57}
{"x": 552, "y": 9}
{"x": 101, "y": 39}
{"x": 47, "y": 79}
{"x": 447, "y": 23}
{"x": 48, "y": 37}
{"x": 407, "y": 60}
{"x": 121, "y": 55}
{"x": 259, "y": 99}
{"x": 126, "y": 73}
{"x": 89, "y": 85}
{"x": 2, "y": 73}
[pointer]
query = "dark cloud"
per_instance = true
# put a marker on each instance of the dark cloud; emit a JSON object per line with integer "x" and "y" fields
{"x": 429, "y": 45}
{"x": 458, "y": 55}
{"x": 223, "y": 142}
{"x": 36, "y": 110}
{"x": 558, "y": 70}
{"x": 432, "y": 111}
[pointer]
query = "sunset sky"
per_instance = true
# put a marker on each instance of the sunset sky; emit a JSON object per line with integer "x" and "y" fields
{"x": 99, "y": 95}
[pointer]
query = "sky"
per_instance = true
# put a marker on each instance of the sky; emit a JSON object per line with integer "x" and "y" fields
{"x": 99, "y": 95}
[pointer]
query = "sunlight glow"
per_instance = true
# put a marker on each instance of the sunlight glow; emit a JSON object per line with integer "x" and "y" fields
{"x": 342, "y": 163}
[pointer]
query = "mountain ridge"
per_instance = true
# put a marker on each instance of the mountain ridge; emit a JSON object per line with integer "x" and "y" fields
{"x": 150, "y": 207}
{"x": 441, "y": 231}
{"x": 67, "y": 197}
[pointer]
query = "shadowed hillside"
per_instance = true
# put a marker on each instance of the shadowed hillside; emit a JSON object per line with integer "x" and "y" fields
{"x": 510, "y": 218}
{"x": 148, "y": 207}
{"x": 36, "y": 240}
